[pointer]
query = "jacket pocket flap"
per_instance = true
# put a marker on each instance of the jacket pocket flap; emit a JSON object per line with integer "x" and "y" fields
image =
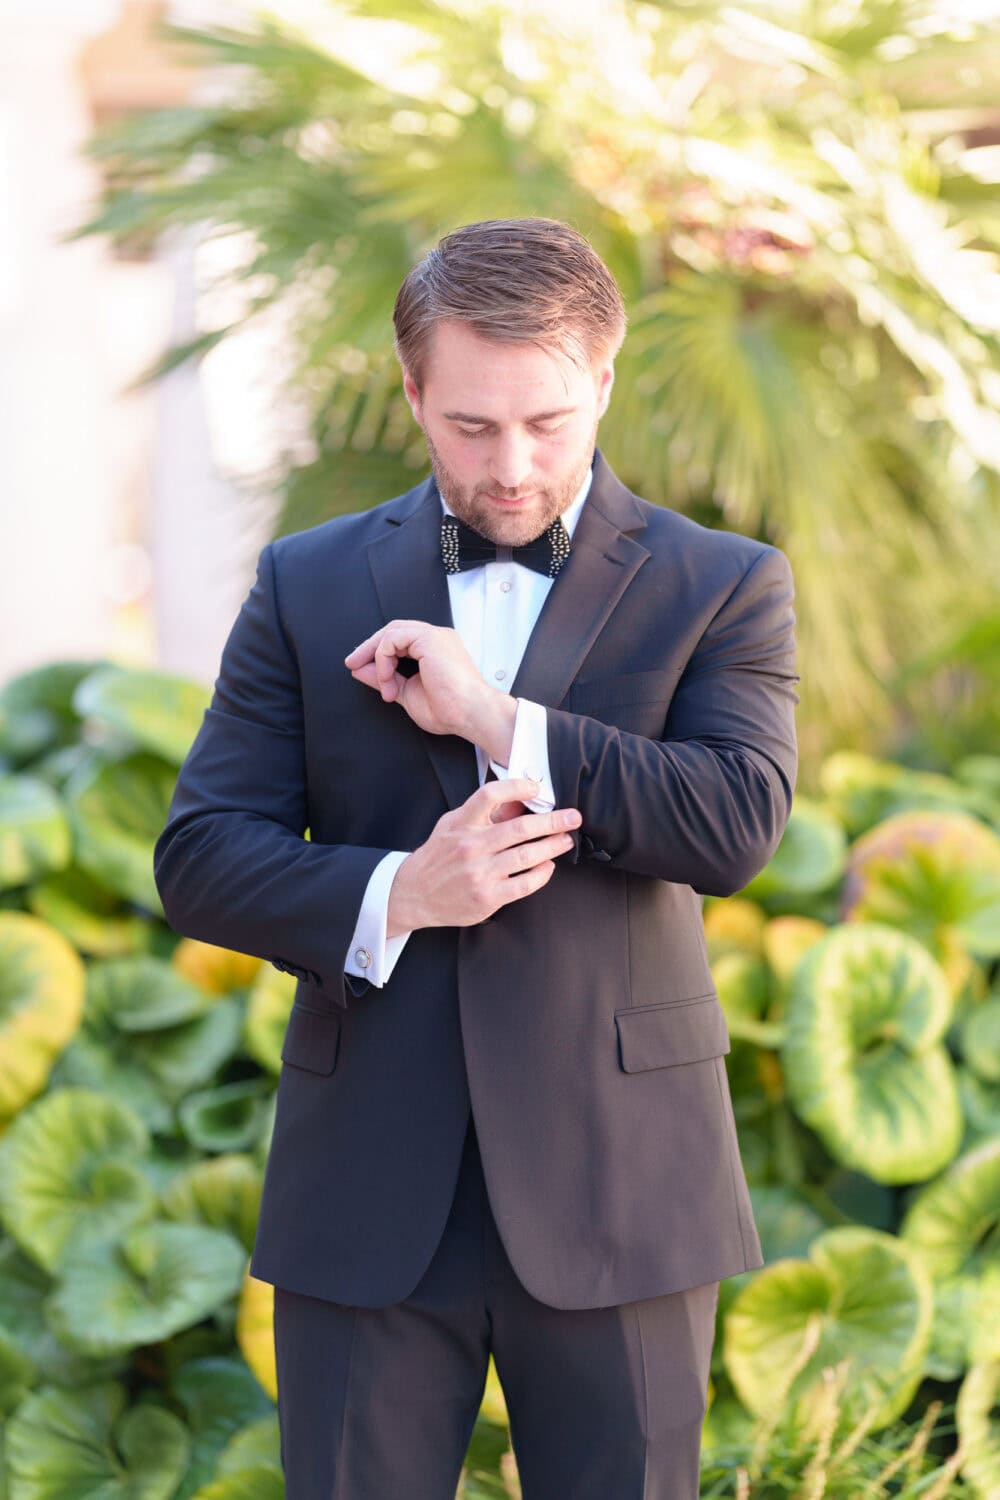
{"x": 311, "y": 1040}
{"x": 680, "y": 1031}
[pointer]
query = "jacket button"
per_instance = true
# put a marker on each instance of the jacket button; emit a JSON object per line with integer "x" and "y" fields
{"x": 602, "y": 855}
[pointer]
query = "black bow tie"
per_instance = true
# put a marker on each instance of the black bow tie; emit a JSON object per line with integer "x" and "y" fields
{"x": 463, "y": 548}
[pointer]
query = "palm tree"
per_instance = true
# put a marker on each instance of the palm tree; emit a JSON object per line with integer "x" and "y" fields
{"x": 799, "y": 204}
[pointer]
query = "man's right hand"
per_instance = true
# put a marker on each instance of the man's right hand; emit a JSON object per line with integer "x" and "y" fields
{"x": 479, "y": 857}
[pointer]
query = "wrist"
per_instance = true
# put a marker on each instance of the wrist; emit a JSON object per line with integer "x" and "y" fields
{"x": 403, "y": 908}
{"x": 494, "y": 728}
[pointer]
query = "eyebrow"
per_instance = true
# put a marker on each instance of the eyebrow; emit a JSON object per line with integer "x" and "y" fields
{"x": 541, "y": 416}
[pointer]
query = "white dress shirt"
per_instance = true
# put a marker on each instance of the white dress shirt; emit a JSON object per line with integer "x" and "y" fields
{"x": 494, "y": 608}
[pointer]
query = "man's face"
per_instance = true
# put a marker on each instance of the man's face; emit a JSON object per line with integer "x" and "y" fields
{"x": 510, "y": 429}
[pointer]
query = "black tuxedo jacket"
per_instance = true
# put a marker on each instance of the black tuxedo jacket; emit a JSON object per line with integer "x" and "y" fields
{"x": 581, "y": 1023}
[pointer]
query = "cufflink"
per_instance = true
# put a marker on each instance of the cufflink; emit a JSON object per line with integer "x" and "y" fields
{"x": 532, "y": 775}
{"x": 362, "y": 957}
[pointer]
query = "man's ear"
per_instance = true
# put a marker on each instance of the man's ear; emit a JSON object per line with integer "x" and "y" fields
{"x": 605, "y": 380}
{"x": 413, "y": 397}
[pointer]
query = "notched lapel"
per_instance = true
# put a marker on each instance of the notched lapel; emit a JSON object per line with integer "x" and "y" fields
{"x": 411, "y": 584}
{"x": 603, "y": 561}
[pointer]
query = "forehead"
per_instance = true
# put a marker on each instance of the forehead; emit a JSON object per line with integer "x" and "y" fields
{"x": 506, "y": 379}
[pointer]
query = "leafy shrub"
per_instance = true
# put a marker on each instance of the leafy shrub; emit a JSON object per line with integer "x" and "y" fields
{"x": 858, "y": 974}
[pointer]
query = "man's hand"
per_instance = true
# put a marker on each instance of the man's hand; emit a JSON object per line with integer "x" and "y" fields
{"x": 479, "y": 857}
{"x": 447, "y": 695}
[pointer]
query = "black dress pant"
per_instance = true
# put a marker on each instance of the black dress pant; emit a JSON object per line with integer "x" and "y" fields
{"x": 379, "y": 1403}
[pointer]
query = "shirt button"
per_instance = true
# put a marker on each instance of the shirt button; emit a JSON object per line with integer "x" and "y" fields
{"x": 505, "y": 587}
{"x": 362, "y": 957}
{"x": 499, "y": 674}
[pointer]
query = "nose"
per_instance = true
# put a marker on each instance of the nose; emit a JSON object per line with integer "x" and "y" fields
{"x": 510, "y": 462}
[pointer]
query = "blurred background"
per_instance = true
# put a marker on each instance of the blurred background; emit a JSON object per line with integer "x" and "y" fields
{"x": 206, "y": 210}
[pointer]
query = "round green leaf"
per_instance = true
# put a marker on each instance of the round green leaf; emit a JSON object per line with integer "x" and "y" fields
{"x": 865, "y": 1012}
{"x": 36, "y": 709}
{"x": 935, "y": 875}
{"x": 70, "y": 1176}
{"x": 981, "y": 1107}
{"x": 977, "y": 1416}
{"x": 220, "y": 1397}
{"x": 158, "y": 711}
{"x": 861, "y": 1296}
{"x": 228, "y": 1118}
{"x": 34, "y": 831}
{"x": 24, "y": 1290}
{"x": 953, "y": 1224}
{"x": 84, "y": 1445}
{"x": 864, "y": 791}
{"x": 17, "y": 1374}
{"x": 787, "y": 1226}
{"x": 105, "y": 1064}
{"x": 142, "y": 993}
{"x": 223, "y": 1192}
{"x": 810, "y": 856}
{"x": 158, "y": 1279}
{"x": 743, "y": 982}
{"x": 117, "y": 810}
{"x": 91, "y": 917}
{"x": 259, "y": 1483}
{"x": 258, "y": 1444}
{"x": 981, "y": 1039}
{"x": 966, "y": 1325}
{"x": 182, "y": 1057}
{"x": 41, "y": 1004}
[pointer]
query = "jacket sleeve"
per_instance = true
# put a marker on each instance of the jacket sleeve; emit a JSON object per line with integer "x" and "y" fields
{"x": 232, "y": 865}
{"x": 706, "y": 805}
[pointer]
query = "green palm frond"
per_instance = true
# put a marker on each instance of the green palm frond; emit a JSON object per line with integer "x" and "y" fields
{"x": 805, "y": 242}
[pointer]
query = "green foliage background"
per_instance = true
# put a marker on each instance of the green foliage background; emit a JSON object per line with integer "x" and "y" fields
{"x": 859, "y": 977}
{"x": 800, "y": 205}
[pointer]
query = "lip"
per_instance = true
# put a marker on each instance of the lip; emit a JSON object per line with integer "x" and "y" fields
{"x": 519, "y": 500}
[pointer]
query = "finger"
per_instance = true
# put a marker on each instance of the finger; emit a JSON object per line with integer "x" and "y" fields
{"x": 506, "y": 811}
{"x": 515, "y": 887}
{"x": 365, "y": 650}
{"x": 492, "y": 793}
{"x": 511, "y": 831}
{"x": 521, "y": 857}
{"x": 397, "y": 630}
{"x": 386, "y": 657}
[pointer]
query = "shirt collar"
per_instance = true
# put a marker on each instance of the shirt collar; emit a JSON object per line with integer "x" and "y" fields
{"x": 570, "y": 515}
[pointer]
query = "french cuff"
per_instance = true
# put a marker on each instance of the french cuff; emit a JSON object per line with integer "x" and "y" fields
{"x": 529, "y": 754}
{"x": 371, "y": 955}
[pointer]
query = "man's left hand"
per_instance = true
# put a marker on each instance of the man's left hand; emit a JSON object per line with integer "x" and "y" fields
{"x": 447, "y": 695}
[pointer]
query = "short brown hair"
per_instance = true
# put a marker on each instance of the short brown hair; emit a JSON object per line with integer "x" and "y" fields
{"x": 514, "y": 280}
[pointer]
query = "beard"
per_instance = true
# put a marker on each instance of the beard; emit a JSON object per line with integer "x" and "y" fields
{"x": 515, "y": 530}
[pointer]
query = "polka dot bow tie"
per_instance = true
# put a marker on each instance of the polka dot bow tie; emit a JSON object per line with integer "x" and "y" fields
{"x": 463, "y": 548}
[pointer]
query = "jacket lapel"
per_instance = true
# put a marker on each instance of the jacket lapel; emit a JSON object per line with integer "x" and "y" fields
{"x": 412, "y": 585}
{"x": 602, "y": 562}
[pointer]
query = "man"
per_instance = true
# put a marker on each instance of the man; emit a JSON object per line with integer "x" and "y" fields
{"x": 519, "y": 772}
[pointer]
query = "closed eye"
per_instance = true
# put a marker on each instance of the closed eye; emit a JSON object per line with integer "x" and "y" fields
{"x": 544, "y": 431}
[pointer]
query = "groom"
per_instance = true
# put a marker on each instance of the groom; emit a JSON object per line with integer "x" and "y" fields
{"x": 528, "y": 719}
